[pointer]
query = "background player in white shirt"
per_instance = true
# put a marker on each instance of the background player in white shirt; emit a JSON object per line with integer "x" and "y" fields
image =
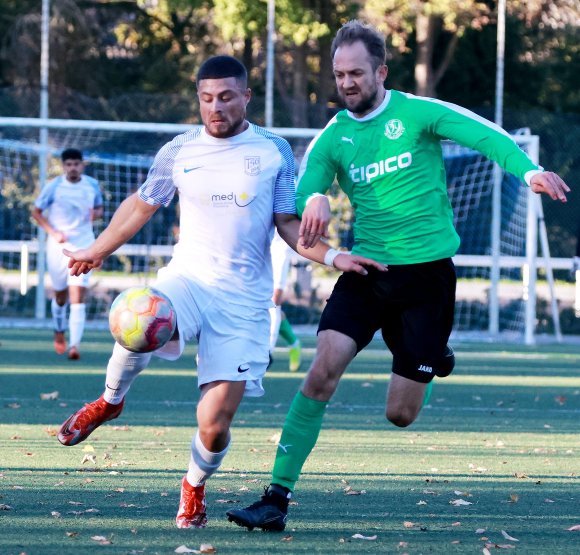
{"x": 235, "y": 181}
{"x": 279, "y": 324}
{"x": 66, "y": 209}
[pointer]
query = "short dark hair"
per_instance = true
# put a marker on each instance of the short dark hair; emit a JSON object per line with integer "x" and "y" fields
{"x": 355, "y": 31}
{"x": 71, "y": 154}
{"x": 220, "y": 67}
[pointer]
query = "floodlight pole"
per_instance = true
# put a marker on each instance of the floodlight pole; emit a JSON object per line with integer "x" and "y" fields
{"x": 497, "y": 178}
{"x": 40, "y": 304}
{"x": 269, "y": 108}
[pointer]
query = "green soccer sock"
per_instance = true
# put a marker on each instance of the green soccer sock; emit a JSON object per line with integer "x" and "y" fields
{"x": 287, "y": 332}
{"x": 299, "y": 435}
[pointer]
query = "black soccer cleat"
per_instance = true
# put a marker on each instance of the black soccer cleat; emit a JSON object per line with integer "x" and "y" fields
{"x": 446, "y": 365}
{"x": 269, "y": 513}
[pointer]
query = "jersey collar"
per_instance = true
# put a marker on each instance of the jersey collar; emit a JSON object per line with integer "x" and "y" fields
{"x": 379, "y": 109}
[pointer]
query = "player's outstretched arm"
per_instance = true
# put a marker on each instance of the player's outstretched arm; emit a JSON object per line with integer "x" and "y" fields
{"x": 132, "y": 214}
{"x": 289, "y": 229}
{"x": 551, "y": 184}
{"x": 315, "y": 220}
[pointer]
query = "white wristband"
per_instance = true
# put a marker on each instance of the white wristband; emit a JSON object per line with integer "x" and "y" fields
{"x": 313, "y": 196}
{"x": 330, "y": 255}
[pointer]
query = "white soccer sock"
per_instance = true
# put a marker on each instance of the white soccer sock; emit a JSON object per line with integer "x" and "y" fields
{"x": 275, "y": 319}
{"x": 203, "y": 463}
{"x": 124, "y": 366}
{"x": 76, "y": 323}
{"x": 59, "y": 321}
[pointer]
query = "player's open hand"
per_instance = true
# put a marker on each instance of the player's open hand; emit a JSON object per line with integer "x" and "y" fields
{"x": 315, "y": 219}
{"x": 82, "y": 261}
{"x": 352, "y": 263}
{"x": 551, "y": 184}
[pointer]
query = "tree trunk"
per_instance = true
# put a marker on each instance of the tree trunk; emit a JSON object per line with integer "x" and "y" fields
{"x": 425, "y": 31}
{"x": 300, "y": 88}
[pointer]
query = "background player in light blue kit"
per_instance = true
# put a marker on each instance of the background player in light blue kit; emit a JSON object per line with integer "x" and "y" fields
{"x": 66, "y": 209}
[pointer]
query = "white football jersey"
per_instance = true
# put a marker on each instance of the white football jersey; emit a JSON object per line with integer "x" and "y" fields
{"x": 69, "y": 206}
{"x": 229, "y": 190}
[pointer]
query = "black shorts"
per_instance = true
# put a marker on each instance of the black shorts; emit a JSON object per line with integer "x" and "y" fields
{"x": 412, "y": 305}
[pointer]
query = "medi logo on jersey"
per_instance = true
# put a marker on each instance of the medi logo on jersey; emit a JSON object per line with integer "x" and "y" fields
{"x": 225, "y": 200}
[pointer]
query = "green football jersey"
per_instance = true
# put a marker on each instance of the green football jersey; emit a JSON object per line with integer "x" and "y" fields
{"x": 390, "y": 165}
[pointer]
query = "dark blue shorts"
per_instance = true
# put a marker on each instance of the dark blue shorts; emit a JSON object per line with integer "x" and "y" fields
{"x": 413, "y": 306}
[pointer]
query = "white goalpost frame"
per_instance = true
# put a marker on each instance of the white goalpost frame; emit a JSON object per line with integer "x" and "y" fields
{"x": 534, "y": 217}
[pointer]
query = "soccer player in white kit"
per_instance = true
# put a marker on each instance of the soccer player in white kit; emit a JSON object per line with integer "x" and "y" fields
{"x": 235, "y": 181}
{"x": 279, "y": 325}
{"x": 66, "y": 209}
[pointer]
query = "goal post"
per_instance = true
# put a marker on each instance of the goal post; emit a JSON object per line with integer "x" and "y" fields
{"x": 497, "y": 276}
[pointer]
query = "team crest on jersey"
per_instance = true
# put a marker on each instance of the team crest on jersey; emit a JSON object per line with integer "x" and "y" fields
{"x": 394, "y": 128}
{"x": 252, "y": 165}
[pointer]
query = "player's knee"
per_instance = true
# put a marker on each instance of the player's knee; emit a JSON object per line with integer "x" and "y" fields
{"x": 446, "y": 364}
{"x": 401, "y": 416}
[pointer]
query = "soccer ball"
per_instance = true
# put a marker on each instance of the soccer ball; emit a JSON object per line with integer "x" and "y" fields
{"x": 142, "y": 319}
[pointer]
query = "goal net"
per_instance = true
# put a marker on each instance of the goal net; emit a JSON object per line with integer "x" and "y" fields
{"x": 119, "y": 155}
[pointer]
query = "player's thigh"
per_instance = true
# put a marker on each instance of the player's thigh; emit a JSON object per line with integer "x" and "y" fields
{"x": 418, "y": 331}
{"x": 352, "y": 309}
{"x": 188, "y": 301}
{"x": 218, "y": 404}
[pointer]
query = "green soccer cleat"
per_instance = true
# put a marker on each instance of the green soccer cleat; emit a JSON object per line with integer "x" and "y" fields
{"x": 295, "y": 356}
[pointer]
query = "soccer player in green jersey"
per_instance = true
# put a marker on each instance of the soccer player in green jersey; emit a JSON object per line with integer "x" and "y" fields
{"x": 384, "y": 150}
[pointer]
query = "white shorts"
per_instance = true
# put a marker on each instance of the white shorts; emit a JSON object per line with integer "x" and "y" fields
{"x": 57, "y": 266}
{"x": 280, "y": 265}
{"x": 233, "y": 340}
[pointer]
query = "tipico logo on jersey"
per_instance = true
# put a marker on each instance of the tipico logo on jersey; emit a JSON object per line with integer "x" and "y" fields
{"x": 376, "y": 169}
{"x": 224, "y": 200}
{"x": 252, "y": 165}
{"x": 394, "y": 128}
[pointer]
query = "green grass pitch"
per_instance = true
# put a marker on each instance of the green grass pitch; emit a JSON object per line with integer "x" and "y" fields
{"x": 491, "y": 465}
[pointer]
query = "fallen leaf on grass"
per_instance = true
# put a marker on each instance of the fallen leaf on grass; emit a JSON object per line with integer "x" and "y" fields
{"x": 361, "y": 537}
{"x": 75, "y": 503}
{"x": 101, "y": 540}
{"x": 275, "y": 438}
{"x": 409, "y": 524}
{"x": 462, "y": 493}
{"x": 508, "y": 537}
{"x": 287, "y": 538}
{"x": 51, "y": 432}
{"x": 349, "y": 491}
{"x": 52, "y": 396}
{"x": 513, "y": 498}
{"x": 548, "y": 500}
{"x": 185, "y": 549}
{"x": 55, "y": 514}
{"x": 575, "y": 528}
{"x": 89, "y": 458}
{"x": 13, "y": 405}
{"x": 520, "y": 475}
{"x": 15, "y": 437}
{"x": 422, "y": 502}
{"x": 480, "y": 531}
{"x": 459, "y": 502}
{"x": 122, "y": 428}
{"x": 71, "y": 534}
{"x": 456, "y": 524}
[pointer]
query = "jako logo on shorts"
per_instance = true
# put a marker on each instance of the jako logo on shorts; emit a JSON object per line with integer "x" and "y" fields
{"x": 376, "y": 169}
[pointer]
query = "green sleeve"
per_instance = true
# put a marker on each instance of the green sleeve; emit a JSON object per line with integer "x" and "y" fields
{"x": 318, "y": 168}
{"x": 450, "y": 121}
